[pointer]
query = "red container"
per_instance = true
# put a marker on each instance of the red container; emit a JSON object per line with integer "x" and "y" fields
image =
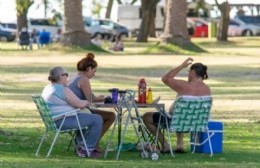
{"x": 142, "y": 91}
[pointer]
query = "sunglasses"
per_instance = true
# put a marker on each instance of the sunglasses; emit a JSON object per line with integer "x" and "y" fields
{"x": 65, "y": 74}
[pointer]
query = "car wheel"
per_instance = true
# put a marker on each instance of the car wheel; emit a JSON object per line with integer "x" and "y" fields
{"x": 98, "y": 34}
{"x": 5, "y": 39}
{"x": 247, "y": 33}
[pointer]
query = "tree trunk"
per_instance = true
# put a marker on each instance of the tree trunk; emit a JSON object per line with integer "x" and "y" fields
{"x": 74, "y": 33}
{"x": 147, "y": 7}
{"x": 22, "y": 7}
{"x": 109, "y": 8}
{"x": 175, "y": 30}
{"x": 45, "y": 7}
{"x": 152, "y": 29}
{"x": 22, "y": 21}
{"x": 222, "y": 33}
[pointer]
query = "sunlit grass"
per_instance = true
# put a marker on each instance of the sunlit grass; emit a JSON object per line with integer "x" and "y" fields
{"x": 233, "y": 78}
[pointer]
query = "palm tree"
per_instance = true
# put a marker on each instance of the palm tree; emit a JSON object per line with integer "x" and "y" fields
{"x": 74, "y": 33}
{"x": 222, "y": 33}
{"x": 109, "y": 8}
{"x": 22, "y": 7}
{"x": 175, "y": 30}
{"x": 148, "y": 12}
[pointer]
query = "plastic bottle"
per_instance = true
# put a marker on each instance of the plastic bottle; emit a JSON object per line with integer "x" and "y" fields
{"x": 150, "y": 96}
{"x": 142, "y": 91}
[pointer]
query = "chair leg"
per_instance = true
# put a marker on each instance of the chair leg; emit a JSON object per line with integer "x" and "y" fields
{"x": 210, "y": 145}
{"x": 39, "y": 147}
{"x": 169, "y": 135}
{"x": 195, "y": 143}
{"x": 82, "y": 136}
{"x": 53, "y": 142}
{"x": 55, "y": 137}
{"x": 73, "y": 134}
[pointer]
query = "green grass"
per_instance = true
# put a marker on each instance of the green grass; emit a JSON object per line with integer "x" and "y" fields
{"x": 233, "y": 78}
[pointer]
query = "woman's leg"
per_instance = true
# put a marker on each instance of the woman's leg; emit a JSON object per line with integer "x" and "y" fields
{"x": 108, "y": 120}
{"x": 148, "y": 122}
{"x": 92, "y": 121}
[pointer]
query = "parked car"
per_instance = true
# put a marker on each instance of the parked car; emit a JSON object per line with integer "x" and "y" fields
{"x": 200, "y": 27}
{"x": 93, "y": 27}
{"x": 9, "y": 26}
{"x": 6, "y": 35}
{"x": 117, "y": 28}
{"x": 234, "y": 29}
{"x": 250, "y": 25}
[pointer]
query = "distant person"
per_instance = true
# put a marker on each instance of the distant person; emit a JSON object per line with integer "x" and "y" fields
{"x": 44, "y": 38}
{"x": 96, "y": 40}
{"x": 57, "y": 36}
{"x": 35, "y": 37}
{"x": 118, "y": 45}
{"x": 24, "y": 39}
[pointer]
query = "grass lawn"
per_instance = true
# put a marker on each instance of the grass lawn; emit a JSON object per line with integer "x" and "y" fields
{"x": 234, "y": 79}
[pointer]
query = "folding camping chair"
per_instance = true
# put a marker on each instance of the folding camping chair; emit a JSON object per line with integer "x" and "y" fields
{"x": 51, "y": 126}
{"x": 191, "y": 114}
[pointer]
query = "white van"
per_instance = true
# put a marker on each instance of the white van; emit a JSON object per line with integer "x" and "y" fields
{"x": 40, "y": 24}
{"x": 131, "y": 17}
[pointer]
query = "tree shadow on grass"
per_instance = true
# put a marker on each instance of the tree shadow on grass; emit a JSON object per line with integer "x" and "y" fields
{"x": 64, "y": 49}
{"x": 161, "y": 48}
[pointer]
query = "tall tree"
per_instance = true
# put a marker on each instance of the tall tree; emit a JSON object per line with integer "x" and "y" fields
{"x": 175, "y": 30}
{"x": 148, "y": 8}
{"x": 22, "y": 7}
{"x": 222, "y": 33}
{"x": 109, "y": 8}
{"x": 46, "y": 5}
{"x": 74, "y": 33}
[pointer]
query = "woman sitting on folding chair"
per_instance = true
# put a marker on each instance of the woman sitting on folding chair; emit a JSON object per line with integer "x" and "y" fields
{"x": 81, "y": 87}
{"x": 60, "y": 99}
{"x": 193, "y": 87}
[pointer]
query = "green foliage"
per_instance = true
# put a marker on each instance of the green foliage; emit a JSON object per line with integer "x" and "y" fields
{"x": 97, "y": 7}
{"x": 23, "y": 5}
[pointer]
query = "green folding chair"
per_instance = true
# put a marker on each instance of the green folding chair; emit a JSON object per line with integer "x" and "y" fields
{"x": 191, "y": 114}
{"x": 50, "y": 125}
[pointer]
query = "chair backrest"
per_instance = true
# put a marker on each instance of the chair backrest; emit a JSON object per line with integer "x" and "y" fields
{"x": 44, "y": 112}
{"x": 24, "y": 38}
{"x": 191, "y": 113}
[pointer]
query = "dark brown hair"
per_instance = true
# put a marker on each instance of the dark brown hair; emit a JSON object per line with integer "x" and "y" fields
{"x": 86, "y": 62}
{"x": 200, "y": 70}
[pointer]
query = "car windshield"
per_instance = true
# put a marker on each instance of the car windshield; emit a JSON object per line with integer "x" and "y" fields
{"x": 250, "y": 19}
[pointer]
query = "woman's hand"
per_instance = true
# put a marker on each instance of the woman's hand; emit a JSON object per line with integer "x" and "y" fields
{"x": 187, "y": 62}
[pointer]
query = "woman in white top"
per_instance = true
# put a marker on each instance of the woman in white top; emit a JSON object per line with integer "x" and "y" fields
{"x": 60, "y": 99}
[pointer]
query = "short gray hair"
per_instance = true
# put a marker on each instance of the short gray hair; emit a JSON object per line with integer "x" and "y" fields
{"x": 55, "y": 73}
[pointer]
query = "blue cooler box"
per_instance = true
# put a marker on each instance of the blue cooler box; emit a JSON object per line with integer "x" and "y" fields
{"x": 216, "y": 139}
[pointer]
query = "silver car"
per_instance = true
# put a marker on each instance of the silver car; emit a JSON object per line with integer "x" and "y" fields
{"x": 95, "y": 29}
{"x": 250, "y": 25}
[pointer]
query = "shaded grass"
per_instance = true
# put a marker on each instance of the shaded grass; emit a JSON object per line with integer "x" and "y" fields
{"x": 190, "y": 49}
{"x": 27, "y": 139}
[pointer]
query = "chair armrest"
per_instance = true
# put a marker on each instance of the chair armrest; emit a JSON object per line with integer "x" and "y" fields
{"x": 67, "y": 113}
